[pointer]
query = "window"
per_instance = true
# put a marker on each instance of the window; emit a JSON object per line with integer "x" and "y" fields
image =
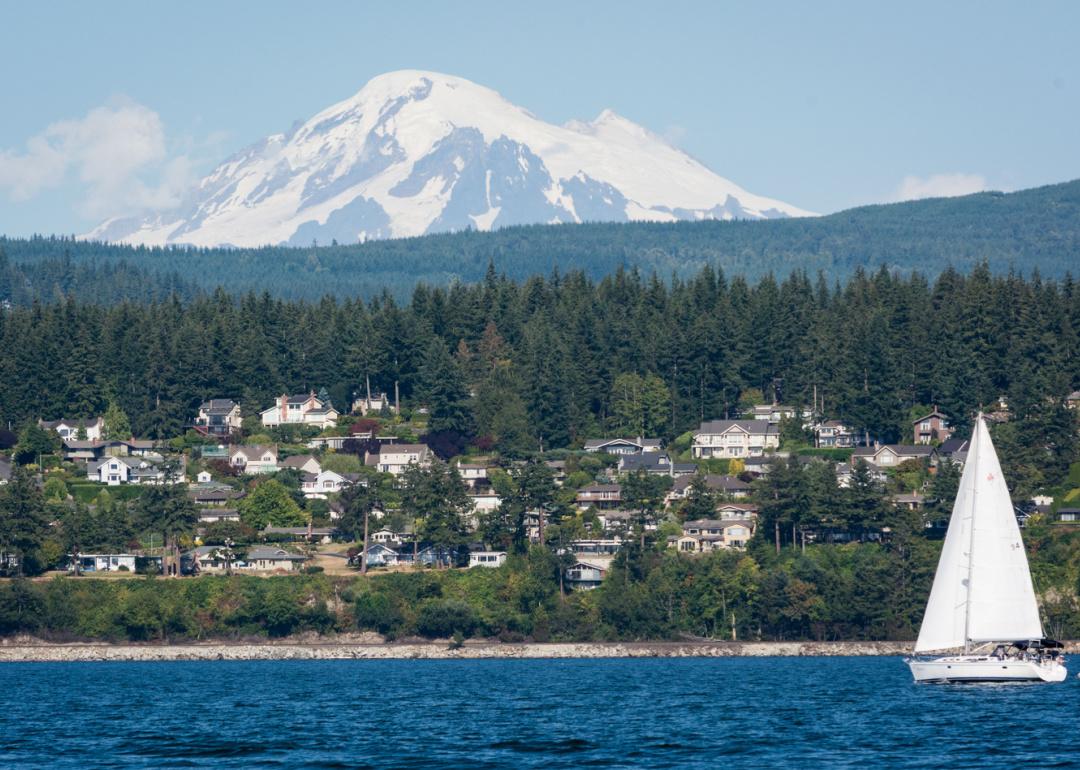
{"x": 925, "y": 425}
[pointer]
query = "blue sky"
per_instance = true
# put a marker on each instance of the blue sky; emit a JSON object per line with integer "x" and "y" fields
{"x": 111, "y": 106}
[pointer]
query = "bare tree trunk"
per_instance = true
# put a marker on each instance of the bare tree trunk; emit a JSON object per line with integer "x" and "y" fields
{"x": 777, "y": 536}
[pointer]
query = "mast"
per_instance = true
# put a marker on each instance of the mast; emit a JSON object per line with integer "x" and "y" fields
{"x": 971, "y": 541}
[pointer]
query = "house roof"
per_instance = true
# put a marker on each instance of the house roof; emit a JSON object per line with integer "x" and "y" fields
{"x": 646, "y": 461}
{"x": 643, "y": 443}
{"x": 218, "y": 406}
{"x": 714, "y": 481}
{"x": 934, "y": 413}
{"x": 274, "y": 554}
{"x": 717, "y": 523}
{"x": 300, "y": 530}
{"x": 298, "y": 461}
{"x": 133, "y": 463}
{"x": 72, "y": 423}
{"x": 746, "y": 426}
{"x": 901, "y": 450}
{"x": 601, "y": 488}
{"x": 254, "y": 451}
{"x": 301, "y": 398}
{"x": 219, "y": 513}
{"x": 403, "y": 448}
{"x": 954, "y": 446}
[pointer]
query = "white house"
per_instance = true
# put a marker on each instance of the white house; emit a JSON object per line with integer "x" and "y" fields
{"x": 254, "y": 458}
{"x": 395, "y": 458}
{"x": 303, "y": 409}
{"x": 487, "y": 558}
{"x": 69, "y": 429}
{"x": 833, "y": 433}
{"x": 319, "y": 485}
{"x": 473, "y": 474}
{"x": 774, "y": 413}
{"x": 126, "y": 470}
{"x": 735, "y": 438}
{"x": 204, "y": 477}
{"x": 105, "y": 562}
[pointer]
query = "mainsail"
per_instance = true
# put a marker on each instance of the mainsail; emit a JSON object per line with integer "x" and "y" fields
{"x": 982, "y": 589}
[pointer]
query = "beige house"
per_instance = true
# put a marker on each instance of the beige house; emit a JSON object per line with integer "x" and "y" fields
{"x": 735, "y": 438}
{"x": 395, "y": 458}
{"x": 302, "y": 409}
{"x": 705, "y": 535}
{"x": 881, "y": 456}
{"x": 254, "y": 459}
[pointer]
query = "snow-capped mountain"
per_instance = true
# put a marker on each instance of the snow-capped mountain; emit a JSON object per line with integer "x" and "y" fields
{"x": 420, "y": 152}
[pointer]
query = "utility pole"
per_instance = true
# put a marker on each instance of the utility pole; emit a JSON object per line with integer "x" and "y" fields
{"x": 367, "y": 511}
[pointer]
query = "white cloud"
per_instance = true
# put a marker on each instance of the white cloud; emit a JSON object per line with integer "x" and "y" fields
{"x": 939, "y": 186}
{"x": 118, "y": 152}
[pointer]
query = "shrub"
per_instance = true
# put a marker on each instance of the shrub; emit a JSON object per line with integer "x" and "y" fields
{"x": 378, "y": 612}
{"x": 440, "y": 619}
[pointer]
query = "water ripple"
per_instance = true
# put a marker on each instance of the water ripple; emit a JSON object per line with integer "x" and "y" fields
{"x": 552, "y": 714}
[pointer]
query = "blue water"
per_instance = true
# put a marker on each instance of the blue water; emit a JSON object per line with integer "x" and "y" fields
{"x": 738, "y": 712}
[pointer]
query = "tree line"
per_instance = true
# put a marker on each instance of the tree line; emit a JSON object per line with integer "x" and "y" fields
{"x": 549, "y": 362}
{"x": 1027, "y": 230}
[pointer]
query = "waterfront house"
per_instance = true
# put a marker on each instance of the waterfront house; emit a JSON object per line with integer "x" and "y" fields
{"x": 734, "y": 438}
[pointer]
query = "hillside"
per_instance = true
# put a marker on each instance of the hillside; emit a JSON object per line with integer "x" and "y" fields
{"x": 1036, "y": 229}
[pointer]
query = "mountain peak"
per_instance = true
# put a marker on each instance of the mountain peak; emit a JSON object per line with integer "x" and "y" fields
{"x": 416, "y": 152}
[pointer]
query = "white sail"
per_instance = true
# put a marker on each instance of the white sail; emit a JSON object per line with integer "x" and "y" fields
{"x": 982, "y": 589}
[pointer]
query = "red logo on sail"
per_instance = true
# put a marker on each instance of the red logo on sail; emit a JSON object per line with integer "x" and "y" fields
{"x": 989, "y": 476}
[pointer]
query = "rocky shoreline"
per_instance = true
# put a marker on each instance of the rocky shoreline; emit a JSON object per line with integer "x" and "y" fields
{"x": 22, "y": 650}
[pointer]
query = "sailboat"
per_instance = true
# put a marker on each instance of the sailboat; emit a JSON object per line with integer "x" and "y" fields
{"x": 983, "y": 599}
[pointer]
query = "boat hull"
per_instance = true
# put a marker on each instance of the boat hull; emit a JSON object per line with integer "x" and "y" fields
{"x": 983, "y": 668}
